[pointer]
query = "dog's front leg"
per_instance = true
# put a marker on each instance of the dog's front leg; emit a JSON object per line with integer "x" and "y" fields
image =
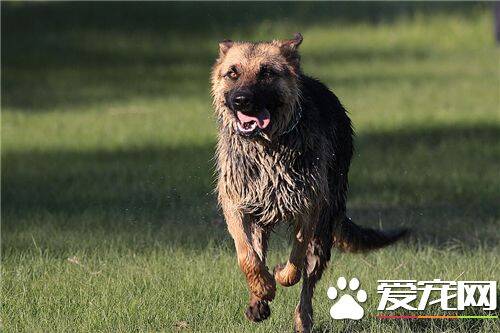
{"x": 250, "y": 242}
{"x": 289, "y": 274}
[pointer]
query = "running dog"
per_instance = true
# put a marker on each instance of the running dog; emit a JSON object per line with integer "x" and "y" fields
{"x": 284, "y": 147}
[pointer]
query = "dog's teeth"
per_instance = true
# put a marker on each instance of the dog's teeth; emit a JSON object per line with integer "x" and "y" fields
{"x": 246, "y": 127}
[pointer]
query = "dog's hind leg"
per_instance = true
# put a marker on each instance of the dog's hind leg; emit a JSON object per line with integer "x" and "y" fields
{"x": 318, "y": 255}
{"x": 251, "y": 244}
{"x": 290, "y": 273}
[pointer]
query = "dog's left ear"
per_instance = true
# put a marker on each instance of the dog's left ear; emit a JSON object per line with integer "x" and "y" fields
{"x": 292, "y": 44}
{"x": 290, "y": 49}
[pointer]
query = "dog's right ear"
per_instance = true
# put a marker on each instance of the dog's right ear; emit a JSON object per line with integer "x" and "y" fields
{"x": 224, "y": 46}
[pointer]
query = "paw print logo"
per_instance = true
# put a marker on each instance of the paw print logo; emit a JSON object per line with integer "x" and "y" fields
{"x": 347, "y": 307}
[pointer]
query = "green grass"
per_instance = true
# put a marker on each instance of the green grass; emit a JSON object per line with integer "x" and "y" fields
{"x": 109, "y": 222}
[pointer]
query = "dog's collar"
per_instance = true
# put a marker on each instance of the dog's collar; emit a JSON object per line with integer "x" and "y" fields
{"x": 295, "y": 123}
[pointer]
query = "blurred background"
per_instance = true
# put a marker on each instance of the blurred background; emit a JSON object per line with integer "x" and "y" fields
{"x": 109, "y": 221}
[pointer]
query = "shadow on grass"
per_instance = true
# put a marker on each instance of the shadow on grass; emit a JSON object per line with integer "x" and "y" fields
{"x": 441, "y": 182}
{"x": 111, "y": 51}
{"x": 209, "y": 18}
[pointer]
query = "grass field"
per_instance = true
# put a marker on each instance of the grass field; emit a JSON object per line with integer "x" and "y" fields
{"x": 109, "y": 222}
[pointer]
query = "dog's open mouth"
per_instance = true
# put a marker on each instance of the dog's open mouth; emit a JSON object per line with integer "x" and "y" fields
{"x": 249, "y": 124}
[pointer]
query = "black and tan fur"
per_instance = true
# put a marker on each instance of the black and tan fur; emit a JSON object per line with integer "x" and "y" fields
{"x": 292, "y": 171}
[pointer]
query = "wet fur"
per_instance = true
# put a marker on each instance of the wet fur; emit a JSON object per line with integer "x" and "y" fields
{"x": 297, "y": 177}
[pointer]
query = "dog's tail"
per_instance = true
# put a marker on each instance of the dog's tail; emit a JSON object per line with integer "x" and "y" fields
{"x": 349, "y": 237}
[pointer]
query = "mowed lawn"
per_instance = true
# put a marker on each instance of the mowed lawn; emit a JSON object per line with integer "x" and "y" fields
{"x": 109, "y": 221}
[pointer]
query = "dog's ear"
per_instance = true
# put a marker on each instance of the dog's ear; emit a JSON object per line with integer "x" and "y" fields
{"x": 292, "y": 44}
{"x": 224, "y": 46}
{"x": 290, "y": 49}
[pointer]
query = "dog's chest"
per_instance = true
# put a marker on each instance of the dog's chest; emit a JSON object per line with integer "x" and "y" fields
{"x": 269, "y": 184}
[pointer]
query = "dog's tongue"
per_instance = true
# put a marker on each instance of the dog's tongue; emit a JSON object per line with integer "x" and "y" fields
{"x": 263, "y": 118}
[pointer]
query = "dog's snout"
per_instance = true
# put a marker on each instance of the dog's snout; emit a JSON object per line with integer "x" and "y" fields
{"x": 241, "y": 100}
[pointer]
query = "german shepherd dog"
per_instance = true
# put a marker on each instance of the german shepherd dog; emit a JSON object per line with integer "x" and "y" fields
{"x": 284, "y": 147}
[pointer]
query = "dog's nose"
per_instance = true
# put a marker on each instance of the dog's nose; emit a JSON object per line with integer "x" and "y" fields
{"x": 241, "y": 101}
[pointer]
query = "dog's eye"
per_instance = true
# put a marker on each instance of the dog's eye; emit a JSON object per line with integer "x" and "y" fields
{"x": 267, "y": 72}
{"x": 232, "y": 73}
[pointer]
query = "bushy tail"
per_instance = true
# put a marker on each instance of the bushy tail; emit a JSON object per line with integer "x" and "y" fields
{"x": 349, "y": 237}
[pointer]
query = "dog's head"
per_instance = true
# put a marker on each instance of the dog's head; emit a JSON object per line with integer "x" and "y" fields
{"x": 255, "y": 86}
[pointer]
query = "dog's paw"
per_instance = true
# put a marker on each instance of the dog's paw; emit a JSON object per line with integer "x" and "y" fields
{"x": 258, "y": 311}
{"x": 287, "y": 275}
